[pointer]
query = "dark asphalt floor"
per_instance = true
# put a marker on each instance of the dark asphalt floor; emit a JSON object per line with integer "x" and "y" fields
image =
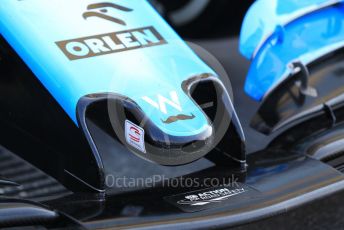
{"x": 326, "y": 213}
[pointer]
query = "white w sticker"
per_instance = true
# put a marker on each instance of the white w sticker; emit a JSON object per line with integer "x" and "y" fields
{"x": 162, "y": 101}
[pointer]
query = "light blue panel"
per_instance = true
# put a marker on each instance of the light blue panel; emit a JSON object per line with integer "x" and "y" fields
{"x": 264, "y": 16}
{"x": 33, "y": 26}
{"x": 305, "y": 39}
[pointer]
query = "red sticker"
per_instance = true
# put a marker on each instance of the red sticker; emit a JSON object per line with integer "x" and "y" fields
{"x": 135, "y": 136}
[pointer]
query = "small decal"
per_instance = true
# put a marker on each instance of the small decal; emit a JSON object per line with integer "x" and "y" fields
{"x": 135, "y": 136}
{"x": 212, "y": 197}
{"x": 215, "y": 196}
{"x": 180, "y": 117}
{"x": 162, "y": 101}
{"x": 102, "y": 12}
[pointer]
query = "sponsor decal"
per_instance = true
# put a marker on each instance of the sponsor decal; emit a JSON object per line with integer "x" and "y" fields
{"x": 180, "y": 117}
{"x": 213, "y": 197}
{"x": 160, "y": 104}
{"x": 109, "y": 43}
{"x": 135, "y": 136}
{"x": 100, "y": 10}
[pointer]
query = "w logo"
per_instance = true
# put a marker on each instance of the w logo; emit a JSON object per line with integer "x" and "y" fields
{"x": 162, "y": 101}
{"x": 100, "y": 10}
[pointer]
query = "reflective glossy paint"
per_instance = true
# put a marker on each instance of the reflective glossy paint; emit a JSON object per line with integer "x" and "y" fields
{"x": 305, "y": 39}
{"x": 287, "y": 106}
{"x": 279, "y": 179}
{"x": 265, "y": 17}
{"x": 151, "y": 74}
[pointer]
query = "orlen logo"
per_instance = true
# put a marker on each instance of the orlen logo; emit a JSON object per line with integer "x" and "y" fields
{"x": 109, "y": 43}
{"x": 135, "y": 136}
{"x": 103, "y": 44}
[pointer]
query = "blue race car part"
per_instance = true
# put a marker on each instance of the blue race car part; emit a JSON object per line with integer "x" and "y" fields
{"x": 285, "y": 32}
{"x": 313, "y": 91}
{"x": 116, "y": 67}
{"x": 266, "y": 17}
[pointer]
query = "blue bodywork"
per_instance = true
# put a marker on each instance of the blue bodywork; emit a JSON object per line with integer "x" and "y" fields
{"x": 277, "y": 32}
{"x": 34, "y": 27}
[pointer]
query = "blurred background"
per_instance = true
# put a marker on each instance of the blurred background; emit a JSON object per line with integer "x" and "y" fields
{"x": 203, "y": 19}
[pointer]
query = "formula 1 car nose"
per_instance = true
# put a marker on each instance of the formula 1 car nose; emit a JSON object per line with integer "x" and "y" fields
{"x": 171, "y": 130}
{"x": 114, "y": 71}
